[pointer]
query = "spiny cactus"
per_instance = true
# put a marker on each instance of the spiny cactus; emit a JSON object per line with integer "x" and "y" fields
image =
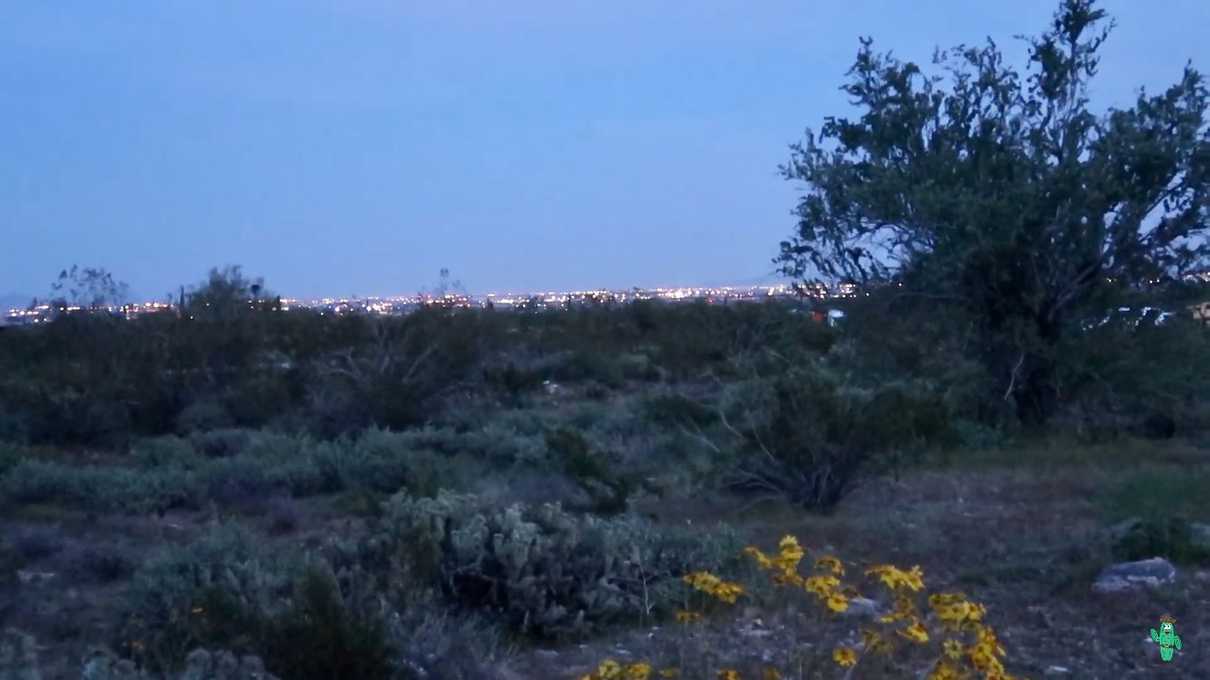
{"x": 548, "y": 572}
{"x": 199, "y": 665}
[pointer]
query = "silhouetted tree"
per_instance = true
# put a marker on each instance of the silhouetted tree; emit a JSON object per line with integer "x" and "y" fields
{"x": 1000, "y": 193}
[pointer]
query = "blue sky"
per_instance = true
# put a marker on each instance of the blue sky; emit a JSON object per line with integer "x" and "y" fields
{"x": 358, "y": 146}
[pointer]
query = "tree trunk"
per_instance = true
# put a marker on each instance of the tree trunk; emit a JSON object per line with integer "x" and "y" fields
{"x": 1036, "y": 396}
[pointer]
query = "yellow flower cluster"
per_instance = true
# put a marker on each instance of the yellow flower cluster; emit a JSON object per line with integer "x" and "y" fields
{"x": 896, "y": 578}
{"x": 612, "y": 670}
{"x": 784, "y": 566}
{"x": 985, "y": 656}
{"x": 955, "y": 611}
{"x": 986, "y": 653}
{"x": 712, "y": 585}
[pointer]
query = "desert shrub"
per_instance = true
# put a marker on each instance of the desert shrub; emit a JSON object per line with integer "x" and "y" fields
{"x": 35, "y": 543}
{"x": 321, "y": 636}
{"x": 13, "y": 425}
{"x": 240, "y": 482}
{"x": 100, "y": 488}
{"x": 1158, "y": 494}
{"x": 164, "y": 451}
{"x": 10, "y": 561}
{"x": 809, "y": 436}
{"x": 608, "y": 491}
{"x": 10, "y": 456}
{"x": 672, "y": 410}
{"x": 212, "y": 591}
{"x": 584, "y": 365}
{"x": 283, "y": 515}
{"x": 101, "y": 564}
{"x": 1170, "y": 537}
{"x": 1146, "y": 379}
{"x": 545, "y": 572}
{"x": 512, "y": 380}
{"x": 256, "y": 400}
{"x": 204, "y": 414}
{"x": 220, "y": 443}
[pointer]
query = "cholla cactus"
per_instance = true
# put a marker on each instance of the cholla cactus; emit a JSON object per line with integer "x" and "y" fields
{"x": 549, "y": 572}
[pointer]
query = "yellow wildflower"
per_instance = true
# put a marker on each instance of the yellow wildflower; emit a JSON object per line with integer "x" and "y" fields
{"x": 713, "y": 585}
{"x": 728, "y": 674}
{"x": 638, "y": 671}
{"x": 916, "y": 632}
{"x": 832, "y": 564}
{"x": 609, "y": 670}
{"x": 837, "y": 602}
{"x": 896, "y": 578}
{"x": 770, "y": 673}
{"x": 761, "y": 559}
{"x": 955, "y": 611}
{"x": 845, "y": 657}
{"x": 821, "y": 585}
{"x": 952, "y": 649}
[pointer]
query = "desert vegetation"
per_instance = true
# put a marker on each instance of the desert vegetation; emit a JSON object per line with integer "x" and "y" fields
{"x": 230, "y": 489}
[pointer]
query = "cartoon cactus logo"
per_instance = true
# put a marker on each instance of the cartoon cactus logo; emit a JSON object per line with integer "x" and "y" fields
{"x": 1166, "y": 638}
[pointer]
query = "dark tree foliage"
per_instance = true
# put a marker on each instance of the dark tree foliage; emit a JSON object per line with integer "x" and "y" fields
{"x": 90, "y": 288}
{"x": 1001, "y": 195}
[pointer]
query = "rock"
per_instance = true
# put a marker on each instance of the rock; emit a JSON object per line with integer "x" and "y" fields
{"x": 862, "y": 608}
{"x": 18, "y": 656}
{"x": 1130, "y": 575}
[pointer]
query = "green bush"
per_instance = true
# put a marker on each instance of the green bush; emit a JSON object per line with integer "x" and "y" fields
{"x": 546, "y": 572}
{"x": 215, "y": 590}
{"x": 164, "y": 451}
{"x": 672, "y": 410}
{"x": 99, "y": 488}
{"x": 1170, "y": 537}
{"x": 609, "y": 492}
{"x": 809, "y": 435}
{"x": 319, "y": 636}
{"x": 221, "y": 443}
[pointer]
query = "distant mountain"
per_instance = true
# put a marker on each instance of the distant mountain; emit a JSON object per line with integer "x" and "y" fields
{"x": 11, "y": 300}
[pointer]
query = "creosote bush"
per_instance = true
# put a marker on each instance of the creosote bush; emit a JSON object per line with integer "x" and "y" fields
{"x": 809, "y": 435}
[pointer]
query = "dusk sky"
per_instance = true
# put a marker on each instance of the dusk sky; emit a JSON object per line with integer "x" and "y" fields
{"x": 359, "y": 146}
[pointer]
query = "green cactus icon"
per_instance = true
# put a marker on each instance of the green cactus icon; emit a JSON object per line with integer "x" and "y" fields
{"x": 1166, "y": 638}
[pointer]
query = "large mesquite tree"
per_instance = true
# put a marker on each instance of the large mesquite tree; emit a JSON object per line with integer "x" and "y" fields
{"x": 1002, "y": 194}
